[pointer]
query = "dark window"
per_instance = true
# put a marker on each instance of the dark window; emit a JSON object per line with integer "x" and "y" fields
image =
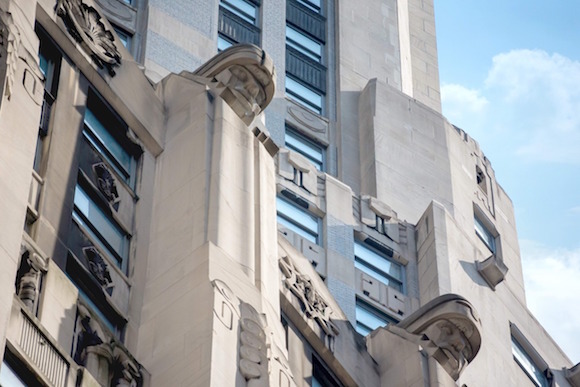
{"x": 298, "y": 219}
{"x": 321, "y": 376}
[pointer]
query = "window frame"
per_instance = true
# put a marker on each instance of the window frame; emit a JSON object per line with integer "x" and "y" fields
{"x": 484, "y": 233}
{"x": 308, "y": 148}
{"x": 111, "y": 141}
{"x": 536, "y": 369}
{"x": 365, "y": 329}
{"x": 371, "y": 265}
{"x": 290, "y": 220}
{"x": 233, "y": 7}
{"x": 298, "y": 92}
{"x": 95, "y": 233}
{"x": 300, "y": 41}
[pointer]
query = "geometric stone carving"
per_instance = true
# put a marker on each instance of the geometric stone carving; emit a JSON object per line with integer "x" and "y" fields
{"x": 448, "y": 328}
{"x": 224, "y": 302}
{"x": 376, "y": 214}
{"x": 98, "y": 267}
{"x": 253, "y": 348}
{"x": 308, "y": 119}
{"x": 315, "y": 307}
{"x": 243, "y": 76}
{"x": 493, "y": 270}
{"x": 296, "y": 168}
{"x": 126, "y": 371}
{"x": 86, "y": 26}
{"x": 107, "y": 184}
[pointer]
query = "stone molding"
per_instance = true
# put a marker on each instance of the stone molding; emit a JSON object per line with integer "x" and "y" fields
{"x": 315, "y": 306}
{"x": 493, "y": 270}
{"x": 86, "y": 26}
{"x": 448, "y": 328}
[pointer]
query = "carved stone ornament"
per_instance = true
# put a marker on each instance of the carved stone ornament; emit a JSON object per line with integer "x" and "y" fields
{"x": 32, "y": 266}
{"x": 243, "y": 75}
{"x": 98, "y": 267}
{"x": 253, "y": 348}
{"x": 448, "y": 328}
{"x": 107, "y": 184}
{"x": 315, "y": 307}
{"x": 10, "y": 42}
{"x": 86, "y": 25}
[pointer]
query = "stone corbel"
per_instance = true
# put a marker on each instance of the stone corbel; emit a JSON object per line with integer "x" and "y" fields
{"x": 376, "y": 214}
{"x": 32, "y": 267}
{"x": 253, "y": 347}
{"x": 448, "y": 328}
{"x": 493, "y": 270}
{"x": 126, "y": 370}
{"x": 243, "y": 75}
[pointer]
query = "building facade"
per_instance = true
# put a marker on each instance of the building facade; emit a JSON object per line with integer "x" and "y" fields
{"x": 249, "y": 193}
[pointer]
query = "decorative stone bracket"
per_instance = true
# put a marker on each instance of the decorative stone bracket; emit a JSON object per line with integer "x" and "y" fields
{"x": 315, "y": 307}
{"x": 103, "y": 357}
{"x": 296, "y": 168}
{"x": 86, "y": 26}
{"x": 493, "y": 270}
{"x": 448, "y": 328}
{"x": 376, "y": 214}
{"x": 243, "y": 75}
{"x": 32, "y": 267}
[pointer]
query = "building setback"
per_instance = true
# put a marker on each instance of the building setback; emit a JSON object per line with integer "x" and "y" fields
{"x": 249, "y": 193}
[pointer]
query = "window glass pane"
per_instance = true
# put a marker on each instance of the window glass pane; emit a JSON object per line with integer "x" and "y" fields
{"x": 297, "y": 220}
{"x": 303, "y": 95}
{"x": 105, "y": 228}
{"x": 374, "y": 260}
{"x": 369, "y": 319}
{"x": 304, "y": 44}
{"x": 485, "y": 235}
{"x": 312, "y": 4}
{"x": 223, "y": 43}
{"x": 103, "y": 140}
{"x": 243, "y": 9}
{"x": 523, "y": 359}
{"x": 308, "y": 149}
{"x": 9, "y": 378}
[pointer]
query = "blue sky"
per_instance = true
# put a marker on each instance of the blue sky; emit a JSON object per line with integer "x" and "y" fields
{"x": 510, "y": 77}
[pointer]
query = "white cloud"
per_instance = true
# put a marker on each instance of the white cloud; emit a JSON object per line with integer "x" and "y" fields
{"x": 462, "y": 105}
{"x": 575, "y": 210}
{"x": 553, "y": 292}
{"x": 537, "y": 95}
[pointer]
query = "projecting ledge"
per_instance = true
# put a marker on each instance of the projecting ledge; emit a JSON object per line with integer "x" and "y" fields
{"x": 449, "y": 330}
{"x": 493, "y": 270}
{"x": 243, "y": 75}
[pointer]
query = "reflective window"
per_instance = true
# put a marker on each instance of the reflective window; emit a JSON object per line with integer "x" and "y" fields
{"x": 106, "y": 133}
{"x": 376, "y": 264}
{"x": 369, "y": 318}
{"x": 530, "y": 368}
{"x": 298, "y": 220}
{"x": 305, "y": 96}
{"x": 304, "y": 44}
{"x": 314, "y": 5}
{"x": 223, "y": 43}
{"x": 484, "y": 234}
{"x": 124, "y": 37}
{"x": 309, "y": 149}
{"x": 243, "y": 9}
{"x": 9, "y": 378}
{"x": 100, "y": 227}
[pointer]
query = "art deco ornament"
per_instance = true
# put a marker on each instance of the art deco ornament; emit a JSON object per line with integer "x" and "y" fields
{"x": 315, "y": 307}
{"x": 86, "y": 25}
